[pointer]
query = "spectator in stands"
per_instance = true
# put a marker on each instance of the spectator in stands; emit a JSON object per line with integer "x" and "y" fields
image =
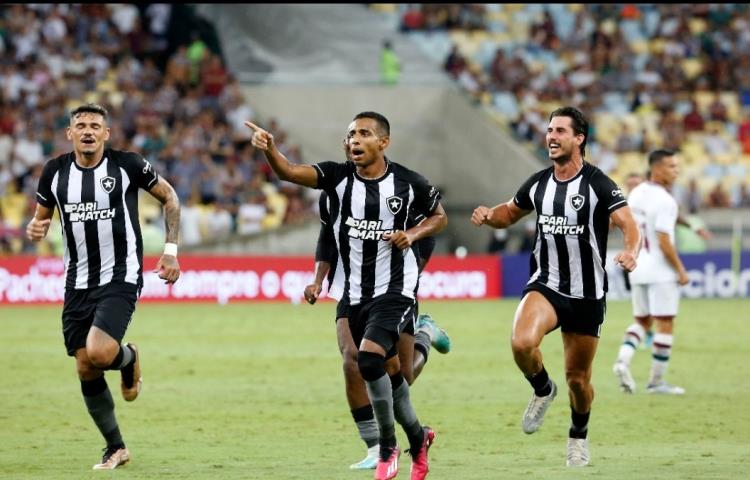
{"x": 390, "y": 65}
{"x": 718, "y": 197}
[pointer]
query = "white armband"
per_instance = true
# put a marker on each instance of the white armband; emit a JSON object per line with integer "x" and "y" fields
{"x": 170, "y": 249}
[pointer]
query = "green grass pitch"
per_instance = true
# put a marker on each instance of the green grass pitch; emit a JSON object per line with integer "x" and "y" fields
{"x": 255, "y": 391}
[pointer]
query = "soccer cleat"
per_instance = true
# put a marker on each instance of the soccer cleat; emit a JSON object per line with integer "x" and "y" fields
{"x": 438, "y": 337}
{"x": 535, "y": 410}
{"x": 113, "y": 458}
{"x": 578, "y": 452}
{"x": 665, "y": 389}
{"x": 130, "y": 393}
{"x": 387, "y": 468}
{"x": 369, "y": 462}
{"x": 419, "y": 463}
{"x": 627, "y": 383}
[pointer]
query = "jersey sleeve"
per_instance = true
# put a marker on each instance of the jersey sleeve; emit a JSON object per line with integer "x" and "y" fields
{"x": 522, "y": 199}
{"x": 426, "y": 197}
{"x": 666, "y": 217}
{"x": 325, "y": 251}
{"x": 329, "y": 174}
{"x": 141, "y": 172}
{"x": 608, "y": 192}
{"x": 44, "y": 194}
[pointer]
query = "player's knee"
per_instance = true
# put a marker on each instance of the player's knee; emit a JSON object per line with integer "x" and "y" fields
{"x": 371, "y": 366}
{"x": 350, "y": 365}
{"x": 100, "y": 357}
{"x": 523, "y": 344}
{"x": 577, "y": 380}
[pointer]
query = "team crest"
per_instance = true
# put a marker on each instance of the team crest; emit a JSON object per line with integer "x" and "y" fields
{"x": 107, "y": 183}
{"x": 577, "y": 201}
{"x": 394, "y": 204}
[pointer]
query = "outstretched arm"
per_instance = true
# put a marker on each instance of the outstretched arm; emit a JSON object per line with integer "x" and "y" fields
{"x": 292, "y": 172}
{"x": 167, "y": 266}
{"x": 623, "y": 219}
{"x": 499, "y": 216}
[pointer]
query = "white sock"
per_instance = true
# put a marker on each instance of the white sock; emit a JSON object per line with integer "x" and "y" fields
{"x": 633, "y": 337}
{"x": 661, "y": 352}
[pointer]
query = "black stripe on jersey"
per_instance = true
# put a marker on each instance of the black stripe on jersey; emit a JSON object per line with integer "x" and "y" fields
{"x": 401, "y": 190}
{"x": 131, "y": 200}
{"x": 346, "y": 212}
{"x": 370, "y": 247}
{"x": 563, "y": 259}
{"x": 91, "y": 229}
{"x": 587, "y": 255}
{"x": 70, "y": 240}
{"x": 119, "y": 229}
{"x": 543, "y": 253}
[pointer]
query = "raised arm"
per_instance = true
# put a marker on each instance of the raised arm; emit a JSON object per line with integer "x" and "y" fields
{"x": 167, "y": 267}
{"x": 292, "y": 172}
{"x": 623, "y": 219}
{"x": 499, "y": 216}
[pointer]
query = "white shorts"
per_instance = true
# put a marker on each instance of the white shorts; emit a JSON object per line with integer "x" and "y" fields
{"x": 655, "y": 299}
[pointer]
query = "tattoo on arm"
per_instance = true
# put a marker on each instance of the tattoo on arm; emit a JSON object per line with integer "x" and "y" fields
{"x": 164, "y": 192}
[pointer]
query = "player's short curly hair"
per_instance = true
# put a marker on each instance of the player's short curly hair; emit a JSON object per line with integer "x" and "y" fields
{"x": 89, "y": 108}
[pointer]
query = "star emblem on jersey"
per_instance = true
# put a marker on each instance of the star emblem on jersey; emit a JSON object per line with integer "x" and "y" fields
{"x": 107, "y": 183}
{"x": 577, "y": 201}
{"x": 394, "y": 204}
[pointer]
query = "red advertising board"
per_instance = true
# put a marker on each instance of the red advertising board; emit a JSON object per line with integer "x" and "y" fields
{"x": 25, "y": 280}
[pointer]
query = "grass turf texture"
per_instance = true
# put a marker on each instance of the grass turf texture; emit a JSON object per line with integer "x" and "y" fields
{"x": 255, "y": 391}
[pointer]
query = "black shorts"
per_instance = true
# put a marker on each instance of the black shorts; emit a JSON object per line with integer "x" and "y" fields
{"x": 574, "y": 315}
{"x": 380, "y": 320}
{"x": 109, "y": 307}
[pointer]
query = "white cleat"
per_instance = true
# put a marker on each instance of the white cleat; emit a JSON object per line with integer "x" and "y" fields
{"x": 578, "y": 452}
{"x": 535, "y": 410}
{"x": 369, "y": 462}
{"x": 627, "y": 383}
{"x": 664, "y": 388}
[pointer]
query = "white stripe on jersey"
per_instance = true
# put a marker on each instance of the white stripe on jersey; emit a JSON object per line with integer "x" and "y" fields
{"x": 66, "y": 254}
{"x": 598, "y": 261}
{"x": 356, "y": 246}
{"x": 411, "y": 268}
{"x": 537, "y": 243}
{"x": 572, "y": 242}
{"x": 79, "y": 230}
{"x": 553, "y": 268}
{"x": 132, "y": 253}
{"x": 386, "y": 188}
{"x": 104, "y": 227}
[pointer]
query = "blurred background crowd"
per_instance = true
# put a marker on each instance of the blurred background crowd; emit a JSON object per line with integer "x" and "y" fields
{"x": 159, "y": 71}
{"x": 649, "y": 76}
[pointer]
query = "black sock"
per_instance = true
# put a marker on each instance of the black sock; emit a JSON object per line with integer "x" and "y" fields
{"x": 579, "y": 426}
{"x": 364, "y": 418}
{"x": 101, "y": 407}
{"x": 540, "y": 382}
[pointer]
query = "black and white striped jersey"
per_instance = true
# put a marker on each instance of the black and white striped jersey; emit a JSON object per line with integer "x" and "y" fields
{"x": 361, "y": 211}
{"x": 99, "y": 216}
{"x": 570, "y": 249}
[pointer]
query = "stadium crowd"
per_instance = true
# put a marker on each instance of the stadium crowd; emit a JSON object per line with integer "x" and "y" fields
{"x": 650, "y": 75}
{"x": 170, "y": 97}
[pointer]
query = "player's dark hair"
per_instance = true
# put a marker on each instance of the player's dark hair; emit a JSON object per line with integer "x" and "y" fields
{"x": 658, "y": 155}
{"x": 580, "y": 123}
{"x": 89, "y": 108}
{"x": 383, "y": 124}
